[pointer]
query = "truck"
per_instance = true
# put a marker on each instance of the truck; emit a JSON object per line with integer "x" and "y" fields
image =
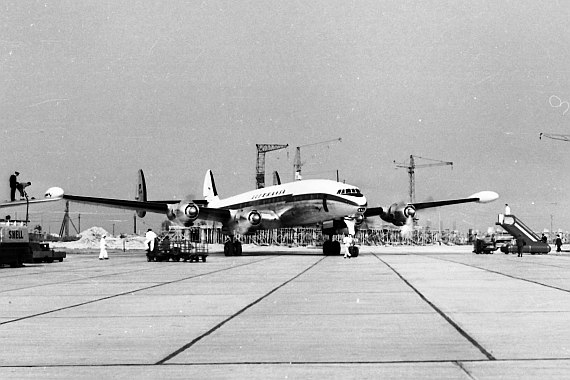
{"x": 41, "y": 252}
{"x": 14, "y": 244}
{"x": 17, "y": 246}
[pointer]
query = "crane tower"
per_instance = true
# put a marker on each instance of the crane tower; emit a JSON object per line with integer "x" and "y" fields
{"x": 412, "y": 166}
{"x": 260, "y": 166}
{"x": 297, "y": 165}
{"x": 554, "y": 136}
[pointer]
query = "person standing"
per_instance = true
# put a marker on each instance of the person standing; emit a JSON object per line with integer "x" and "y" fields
{"x": 13, "y": 186}
{"x": 150, "y": 239}
{"x": 520, "y": 244}
{"x": 558, "y": 243}
{"x": 103, "y": 246}
{"x": 348, "y": 241}
{"x": 507, "y": 209}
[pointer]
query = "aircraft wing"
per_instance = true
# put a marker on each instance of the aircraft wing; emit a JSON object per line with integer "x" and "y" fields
{"x": 8, "y": 204}
{"x": 480, "y": 197}
{"x": 159, "y": 207}
{"x": 52, "y": 194}
{"x": 401, "y": 213}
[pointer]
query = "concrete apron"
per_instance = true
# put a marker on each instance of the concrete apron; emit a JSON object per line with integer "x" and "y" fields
{"x": 400, "y": 316}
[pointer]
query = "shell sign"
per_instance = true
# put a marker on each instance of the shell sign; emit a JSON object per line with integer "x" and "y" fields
{"x": 13, "y": 234}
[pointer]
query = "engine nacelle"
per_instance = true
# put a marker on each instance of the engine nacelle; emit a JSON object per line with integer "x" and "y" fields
{"x": 184, "y": 214}
{"x": 399, "y": 213}
{"x": 192, "y": 211}
{"x": 254, "y": 218}
{"x": 247, "y": 222}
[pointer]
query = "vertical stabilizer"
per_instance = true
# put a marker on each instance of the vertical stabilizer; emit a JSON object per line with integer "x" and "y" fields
{"x": 210, "y": 192}
{"x": 276, "y": 178}
{"x": 141, "y": 192}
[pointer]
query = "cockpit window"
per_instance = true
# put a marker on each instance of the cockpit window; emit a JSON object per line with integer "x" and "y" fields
{"x": 351, "y": 192}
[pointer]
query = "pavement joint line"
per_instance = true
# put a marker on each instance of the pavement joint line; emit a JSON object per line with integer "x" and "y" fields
{"x": 219, "y": 325}
{"x": 248, "y": 363}
{"x": 463, "y": 369}
{"x": 74, "y": 280}
{"x": 441, "y": 313}
{"x": 505, "y": 274}
{"x": 130, "y": 292}
{"x": 90, "y": 258}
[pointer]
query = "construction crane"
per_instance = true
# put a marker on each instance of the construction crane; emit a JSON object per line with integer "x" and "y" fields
{"x": 297, "y": 164}
{"x": 554, "y": 136}
{"x": 260, "y": 166}
{"x": 411, "y": 167}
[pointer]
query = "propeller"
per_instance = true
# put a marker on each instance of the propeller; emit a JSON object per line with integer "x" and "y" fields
{"x": 407, "y": 229}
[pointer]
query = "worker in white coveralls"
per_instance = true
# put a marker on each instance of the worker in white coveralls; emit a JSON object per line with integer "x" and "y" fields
{"x": 348, "y": 241}
{"x": 150, "y": 239}
{"x": 103, "y": 245}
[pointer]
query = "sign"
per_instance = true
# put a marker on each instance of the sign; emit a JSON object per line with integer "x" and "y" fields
{"x": 14, "y": 234}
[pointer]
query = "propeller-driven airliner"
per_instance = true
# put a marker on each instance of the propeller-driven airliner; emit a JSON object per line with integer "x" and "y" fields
{"x": 334, "y": 206}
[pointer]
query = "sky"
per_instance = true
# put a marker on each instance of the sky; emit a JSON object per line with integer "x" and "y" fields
{"x": 92, "y": 91}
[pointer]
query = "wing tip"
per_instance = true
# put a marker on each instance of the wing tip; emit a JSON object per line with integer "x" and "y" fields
{"x": 54, "y": 193}
{"x": 485, "y": 196}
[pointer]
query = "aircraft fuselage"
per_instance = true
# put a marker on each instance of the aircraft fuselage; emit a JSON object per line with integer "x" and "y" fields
{"x": 297, "y": 203}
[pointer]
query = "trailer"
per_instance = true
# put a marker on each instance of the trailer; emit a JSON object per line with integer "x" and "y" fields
{"x": 177, "y": 249}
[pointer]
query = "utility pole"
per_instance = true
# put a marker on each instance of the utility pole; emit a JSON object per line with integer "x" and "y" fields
{"x": 298, "y": 164}
{"x": 412, "y": 166}
{"x": 260, "y": 165}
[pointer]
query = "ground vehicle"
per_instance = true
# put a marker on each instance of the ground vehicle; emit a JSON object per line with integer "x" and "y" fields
{"x": 14, "y": 244}
{"x": 177, "y": 249}
{"x": 42, "y": 252}
{"x": 485, "y": 245}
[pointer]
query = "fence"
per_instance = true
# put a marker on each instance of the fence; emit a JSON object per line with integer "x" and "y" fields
{"x": 304, "y": 236}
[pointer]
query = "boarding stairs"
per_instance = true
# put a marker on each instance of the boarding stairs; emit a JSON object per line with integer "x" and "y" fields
{"x": 519, "y": 230}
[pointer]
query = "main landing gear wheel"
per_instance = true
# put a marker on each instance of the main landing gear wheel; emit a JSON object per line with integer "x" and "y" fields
{"x": 331, "y": 248}
{"x": 353, "y": 251}
{"x": 228, "y": 248}
{"x": 232, "y": 248}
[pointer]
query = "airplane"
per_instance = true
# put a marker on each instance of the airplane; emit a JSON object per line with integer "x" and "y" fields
{"x": 334, "y": 206}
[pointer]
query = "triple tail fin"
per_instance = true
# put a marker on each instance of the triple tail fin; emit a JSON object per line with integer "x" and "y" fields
{"x": 141, "y": 192}
{"x": 210, "y": 193}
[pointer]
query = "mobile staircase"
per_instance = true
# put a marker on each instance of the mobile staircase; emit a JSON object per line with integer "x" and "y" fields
{"x": 519, "y": 230}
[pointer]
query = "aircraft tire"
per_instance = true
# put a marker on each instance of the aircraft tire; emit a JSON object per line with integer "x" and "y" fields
{"x": 336, "y": 248}
{"x": 228, "y": 248}
{"x": 353, "y": 251}
{"x": 237, "y": 248}
{"x": 327, "y": 247}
